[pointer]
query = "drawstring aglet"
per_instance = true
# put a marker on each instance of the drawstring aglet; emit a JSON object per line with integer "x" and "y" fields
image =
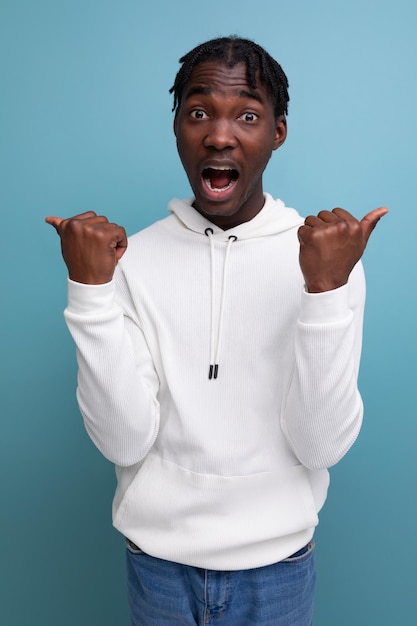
{"x": 213, "y": 371}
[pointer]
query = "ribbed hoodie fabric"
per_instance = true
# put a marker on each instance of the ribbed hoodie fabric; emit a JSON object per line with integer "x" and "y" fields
{"x": 221, "y": 390}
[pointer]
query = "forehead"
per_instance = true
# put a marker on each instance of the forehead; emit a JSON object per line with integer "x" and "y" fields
{"x": 210, "y": 77}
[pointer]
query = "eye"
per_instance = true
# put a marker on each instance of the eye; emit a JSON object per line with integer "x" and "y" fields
{"x": 198, "y": 114}
{"x": 249, "y": 117}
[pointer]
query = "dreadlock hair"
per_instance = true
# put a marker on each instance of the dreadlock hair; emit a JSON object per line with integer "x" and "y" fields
{"x": 230, "y": 51}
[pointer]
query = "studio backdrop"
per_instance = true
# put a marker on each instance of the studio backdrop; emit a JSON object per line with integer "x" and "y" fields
{"x": 86, "y": 123}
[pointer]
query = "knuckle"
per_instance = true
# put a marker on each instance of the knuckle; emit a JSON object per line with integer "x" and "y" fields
{"x": 343, "y": 226}
{"x": 72, "y": 225}
{"x": 355, "y": 227}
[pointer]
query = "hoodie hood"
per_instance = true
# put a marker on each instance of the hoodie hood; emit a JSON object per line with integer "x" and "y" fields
{"x": 274, "y": 217}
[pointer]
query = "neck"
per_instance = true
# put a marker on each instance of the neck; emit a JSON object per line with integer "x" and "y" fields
{"x": 244, "y": 214}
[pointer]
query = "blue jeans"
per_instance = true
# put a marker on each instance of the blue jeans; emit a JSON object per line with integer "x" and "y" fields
{"x": 163, "y": 593}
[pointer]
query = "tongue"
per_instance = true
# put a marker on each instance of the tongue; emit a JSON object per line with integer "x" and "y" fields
{"x": 220, "y": 178}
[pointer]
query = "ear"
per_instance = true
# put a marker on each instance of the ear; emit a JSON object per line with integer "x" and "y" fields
{"x": 280, "y": 131}
{"x": 175, "y": 125}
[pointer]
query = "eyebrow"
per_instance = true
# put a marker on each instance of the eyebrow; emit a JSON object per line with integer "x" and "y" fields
{"x": 207, "y": 91}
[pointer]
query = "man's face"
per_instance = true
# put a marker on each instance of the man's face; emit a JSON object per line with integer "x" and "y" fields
{"x": 226, "y": 132}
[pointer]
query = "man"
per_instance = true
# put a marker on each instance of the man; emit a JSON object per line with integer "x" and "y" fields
{"x": 218, "y": 360}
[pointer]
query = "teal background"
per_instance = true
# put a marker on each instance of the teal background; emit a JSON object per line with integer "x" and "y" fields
{"x": 86, "y": 124}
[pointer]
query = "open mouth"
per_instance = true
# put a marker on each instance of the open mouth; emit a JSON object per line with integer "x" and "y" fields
{"x": 220, "y": 178}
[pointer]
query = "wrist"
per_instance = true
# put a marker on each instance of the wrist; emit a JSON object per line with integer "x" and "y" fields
{"x": 322, "y": 286}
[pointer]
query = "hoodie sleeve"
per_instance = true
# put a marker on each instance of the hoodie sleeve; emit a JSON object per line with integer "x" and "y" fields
{"x": 117, "y": 382}
{"x": 323, "y": 412}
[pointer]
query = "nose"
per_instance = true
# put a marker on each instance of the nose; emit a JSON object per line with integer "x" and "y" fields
{"x": 220, "y": 135}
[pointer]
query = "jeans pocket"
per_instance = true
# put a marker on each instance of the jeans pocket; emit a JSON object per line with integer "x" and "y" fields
{"x": 302, "y": 555}
{"x": 133, "y": 548}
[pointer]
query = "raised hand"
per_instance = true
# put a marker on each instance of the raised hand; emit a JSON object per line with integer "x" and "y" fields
{"x": 331, "y": 244}
{"x": 91, "y": 246}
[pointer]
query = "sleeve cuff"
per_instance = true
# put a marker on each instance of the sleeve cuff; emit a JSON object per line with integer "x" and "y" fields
{"x": 90, "y": 299}
{"x": 325, "y": 307}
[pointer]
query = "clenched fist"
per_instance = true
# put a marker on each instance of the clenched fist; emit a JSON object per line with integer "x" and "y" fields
{"x": 331, "y": 244}
{"x": 91, "y": 246}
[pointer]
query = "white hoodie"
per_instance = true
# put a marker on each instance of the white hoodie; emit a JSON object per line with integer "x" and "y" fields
{"x": 227, "y": 472}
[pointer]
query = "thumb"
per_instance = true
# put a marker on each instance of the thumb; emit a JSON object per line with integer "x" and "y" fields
{"x": 54, "y": 221}
{"x": 370, "y": 220}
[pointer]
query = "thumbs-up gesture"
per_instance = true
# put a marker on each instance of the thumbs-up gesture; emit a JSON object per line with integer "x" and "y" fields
{"x": 91, "y": 246}
{"x": 331, "y": 244}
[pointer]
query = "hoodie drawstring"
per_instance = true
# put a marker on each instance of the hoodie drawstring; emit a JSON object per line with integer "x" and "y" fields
{"x": 215, "y": 345}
